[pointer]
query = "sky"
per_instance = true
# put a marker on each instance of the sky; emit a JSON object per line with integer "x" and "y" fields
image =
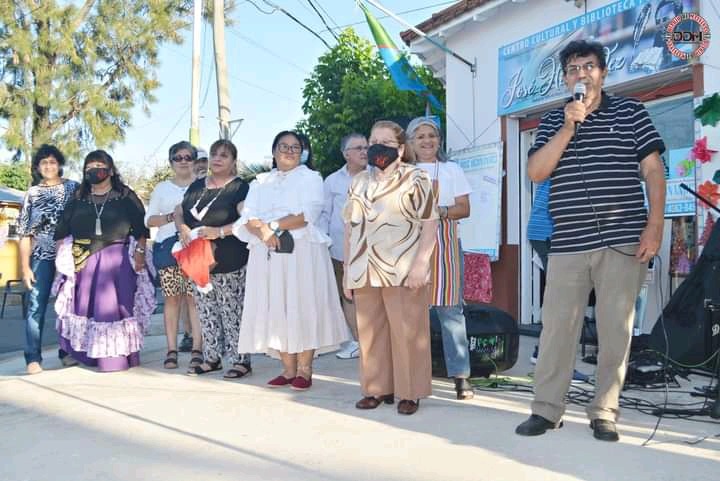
{"x": 269, "y": 57}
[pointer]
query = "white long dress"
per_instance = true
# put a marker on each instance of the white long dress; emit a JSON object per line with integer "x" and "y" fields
{"x": 291, "y": 300}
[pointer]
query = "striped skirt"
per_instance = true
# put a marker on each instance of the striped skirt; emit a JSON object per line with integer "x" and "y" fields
{"x": 447, "y": 266}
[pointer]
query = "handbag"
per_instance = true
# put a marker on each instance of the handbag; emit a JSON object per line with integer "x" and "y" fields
{"x": 162, "y": 253}
{"x": 286, "y": 243}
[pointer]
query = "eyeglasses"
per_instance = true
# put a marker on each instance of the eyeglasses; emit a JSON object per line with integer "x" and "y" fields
{"x": 572, "y": 70}
{"x": 285, "y": 148}
{"x": 359, "y": 148}
{"x": 386, "y": 143}
{"x": 182, "y": 158}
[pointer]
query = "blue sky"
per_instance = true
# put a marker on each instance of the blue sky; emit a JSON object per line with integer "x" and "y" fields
{"x": 269, "y": 57}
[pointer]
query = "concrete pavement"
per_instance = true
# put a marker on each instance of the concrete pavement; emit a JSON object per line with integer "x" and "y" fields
{"x": 153, "y": 424}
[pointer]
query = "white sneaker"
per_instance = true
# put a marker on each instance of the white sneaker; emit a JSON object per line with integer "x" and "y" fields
{"x": 351, "y": 351}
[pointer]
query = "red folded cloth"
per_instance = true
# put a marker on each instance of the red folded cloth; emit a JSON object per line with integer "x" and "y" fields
{"x": 195, "y": 261}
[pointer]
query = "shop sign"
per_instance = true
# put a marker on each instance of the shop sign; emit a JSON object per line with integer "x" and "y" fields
{"x": 633, "y": 32}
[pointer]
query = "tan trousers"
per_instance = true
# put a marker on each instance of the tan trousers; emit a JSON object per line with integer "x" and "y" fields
{"x": 394, "y": 329}
{"x": 617, "y": 280}
{"x": 348, "y": 305}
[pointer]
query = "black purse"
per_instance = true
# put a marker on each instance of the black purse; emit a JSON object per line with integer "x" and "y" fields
{"x": 286, "y": 243}
{"x": 162, "y": 253}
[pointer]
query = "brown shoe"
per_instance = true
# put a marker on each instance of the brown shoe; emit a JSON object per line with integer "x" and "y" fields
{"x": 371, "y": 402}
{"x": 34, "y": 368}
{"x": 408, "y": 407}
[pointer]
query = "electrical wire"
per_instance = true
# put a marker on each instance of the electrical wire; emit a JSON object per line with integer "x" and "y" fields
{"x": 332, "y": 32}
{"x": 341, "y": 27}
{"x": 260, "y": 9}
{"x": 268, "y": 51}
{"x": 332, "y": 20}
{"x": 294, "y": 19}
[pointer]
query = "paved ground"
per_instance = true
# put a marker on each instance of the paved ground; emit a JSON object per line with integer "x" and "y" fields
{"x": 151, "y": 424}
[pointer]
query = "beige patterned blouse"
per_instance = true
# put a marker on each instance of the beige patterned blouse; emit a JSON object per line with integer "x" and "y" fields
{"x": 385, "y": 219}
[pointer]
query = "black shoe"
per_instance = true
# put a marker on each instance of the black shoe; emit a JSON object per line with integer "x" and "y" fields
{"x": 536, "y": 425}
{"x": 604, "y": 430}
{"x": 185, "y": 344}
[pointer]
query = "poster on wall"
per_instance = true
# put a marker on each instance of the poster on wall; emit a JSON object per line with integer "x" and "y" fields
{"x": 633, "y": 32}
{"x": 680, "y": 170}
{"x": 480, "y": 233}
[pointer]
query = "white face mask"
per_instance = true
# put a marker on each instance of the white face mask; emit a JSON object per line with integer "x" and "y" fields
{"x": 304, "y": 156}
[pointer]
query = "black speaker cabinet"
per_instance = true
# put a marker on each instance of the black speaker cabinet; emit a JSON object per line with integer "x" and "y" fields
{"x": 493, "y": 341}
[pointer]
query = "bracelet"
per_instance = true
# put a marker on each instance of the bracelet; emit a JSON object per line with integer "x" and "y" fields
{"x": 140, "y": 250}
{"x": 170, "y": 217}
{"x": 222, "y": 233}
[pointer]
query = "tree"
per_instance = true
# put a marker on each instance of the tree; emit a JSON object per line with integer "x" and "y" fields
{"x": 350, "y": 88}
{"x": 15, "y": 175}
{"x": 71, "y": 75}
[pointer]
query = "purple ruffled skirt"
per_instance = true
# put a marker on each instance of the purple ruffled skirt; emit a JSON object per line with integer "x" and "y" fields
{"x": 103, "y": 309}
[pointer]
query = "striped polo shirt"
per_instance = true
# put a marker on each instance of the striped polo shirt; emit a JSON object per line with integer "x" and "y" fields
{"x": 604, "y": 172}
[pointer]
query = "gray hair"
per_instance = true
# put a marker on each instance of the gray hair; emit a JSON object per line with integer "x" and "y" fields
{"x": 345, "y": 140}
{"x": 182, "y": 145}
{"x": 416, "y": 123}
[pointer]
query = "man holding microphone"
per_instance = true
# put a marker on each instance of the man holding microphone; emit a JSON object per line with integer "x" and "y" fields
{"x": 595, "y": 149}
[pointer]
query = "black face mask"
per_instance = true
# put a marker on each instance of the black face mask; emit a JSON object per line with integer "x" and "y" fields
{"x": 97, "y": 174}
{"x": 381, "y": 156}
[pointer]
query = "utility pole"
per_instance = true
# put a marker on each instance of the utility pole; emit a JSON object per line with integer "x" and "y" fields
{"x": 221, "y": 68}
{"x": 195, "y": 88}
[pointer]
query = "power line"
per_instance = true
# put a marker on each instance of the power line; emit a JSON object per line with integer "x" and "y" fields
{"x": 268, "y": 51}
{"x": 326, "y": 13}
{"x": 323, "y": 20}
{"x": 292, "y": 17}
{"x": 341, "y": 27}
{"x": 260, "y": 9}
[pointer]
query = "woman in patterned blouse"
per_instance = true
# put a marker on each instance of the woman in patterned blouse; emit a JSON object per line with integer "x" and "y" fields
{"x": 43, "y": 207}
{"x": 391, "y": 221}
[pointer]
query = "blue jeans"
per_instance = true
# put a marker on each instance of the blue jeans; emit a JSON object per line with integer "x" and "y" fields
{"x": 454, "y": 338}
{"x": 38, "y": 296}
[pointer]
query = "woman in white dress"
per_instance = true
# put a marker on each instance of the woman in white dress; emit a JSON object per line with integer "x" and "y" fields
{"x": 292, "y": 307}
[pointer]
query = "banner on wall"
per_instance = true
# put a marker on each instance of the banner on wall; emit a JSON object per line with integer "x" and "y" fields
{"x": 635, "y": 36}
{"x": 480, "y": 233}
{"x": 681, "y": 170}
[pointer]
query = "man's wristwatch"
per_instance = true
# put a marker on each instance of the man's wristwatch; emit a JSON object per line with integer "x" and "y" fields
{"x": 275, "y": 227}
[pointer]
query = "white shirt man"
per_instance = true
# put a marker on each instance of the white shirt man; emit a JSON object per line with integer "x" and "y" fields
{"x": 354, "y": 149}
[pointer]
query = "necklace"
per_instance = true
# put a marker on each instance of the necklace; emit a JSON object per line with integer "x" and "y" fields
{"x": 98, "y": 214}
{"x": 102, "y": 193}
{"x": 203, "y": 212}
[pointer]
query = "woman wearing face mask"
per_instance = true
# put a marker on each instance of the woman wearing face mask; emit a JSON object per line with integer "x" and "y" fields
{"x": 105, "y": 297}
{"x": 452, "y": 191}
{"x": 208, "y": 210}
{"x": 41, "y": 211}
{"x": 292, "y": 307}
{"x": 390, "y": 225}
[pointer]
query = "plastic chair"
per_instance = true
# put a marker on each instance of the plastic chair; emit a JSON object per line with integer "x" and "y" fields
{"x": 14, "y": 288}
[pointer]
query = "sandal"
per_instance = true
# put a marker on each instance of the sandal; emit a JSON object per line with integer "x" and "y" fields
{"x": 463, "y": 389}
{"x": 238, "y": 370}
{"x": 171, "y": 360}
{"x": 205, "y": 368}
{"x": 196, "y": 359}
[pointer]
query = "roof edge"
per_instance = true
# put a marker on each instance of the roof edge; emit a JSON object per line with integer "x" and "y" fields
{"x": 441, "y": 18}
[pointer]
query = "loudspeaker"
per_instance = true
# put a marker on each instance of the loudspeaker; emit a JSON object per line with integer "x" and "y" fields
{"x": 493, "y": 341}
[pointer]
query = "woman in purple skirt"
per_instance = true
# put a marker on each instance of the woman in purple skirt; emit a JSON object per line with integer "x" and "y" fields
{"x": 104, "y": 295}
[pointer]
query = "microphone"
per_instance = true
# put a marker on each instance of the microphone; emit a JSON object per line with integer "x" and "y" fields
{"x": 579, "y": 95}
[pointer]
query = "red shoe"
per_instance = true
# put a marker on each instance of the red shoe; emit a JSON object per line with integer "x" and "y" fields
{"x": 280, "y": 381}
{"x": 301, "y": 384}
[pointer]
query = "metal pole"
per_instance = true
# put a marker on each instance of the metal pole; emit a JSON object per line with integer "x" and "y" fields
{"x": 195, "y": 88}
{"x": 221, "y": 68}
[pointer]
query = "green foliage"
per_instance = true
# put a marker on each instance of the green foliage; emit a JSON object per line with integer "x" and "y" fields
{"x": 250, "y": 171}
{"x": 144, "y": 185}
{"x": 350, "y": 88}
{"x": 71, "y": 74}
{"x": 709, "y": 111}
{"x": 15, "y": 175}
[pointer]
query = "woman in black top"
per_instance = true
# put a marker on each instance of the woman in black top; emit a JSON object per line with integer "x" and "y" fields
{"x": 105, "y": 298}
{"x": 210, "y": 207}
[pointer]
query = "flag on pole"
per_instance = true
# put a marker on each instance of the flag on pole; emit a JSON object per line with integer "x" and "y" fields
{"x": 401, "y": 71}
